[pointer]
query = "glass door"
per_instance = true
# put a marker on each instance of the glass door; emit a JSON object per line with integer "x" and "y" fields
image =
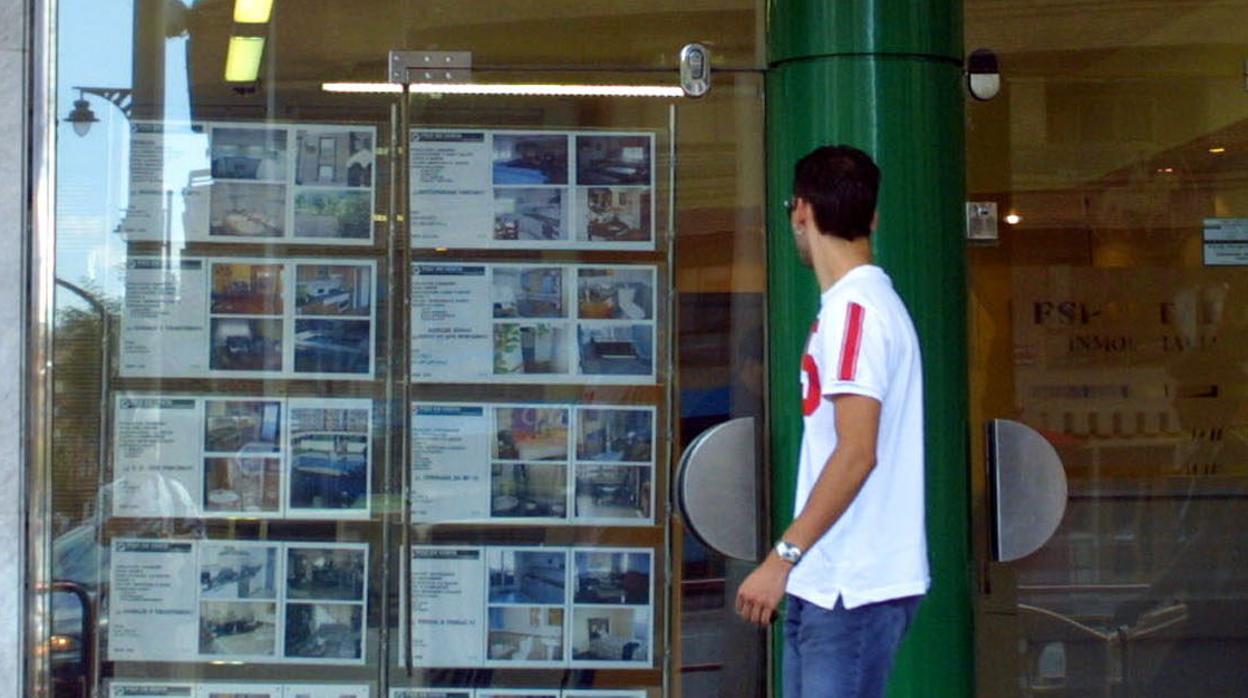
{"x": 380, "y": 393}
{"x": 1109, "y": 318}
{"x": 550, "y": 385}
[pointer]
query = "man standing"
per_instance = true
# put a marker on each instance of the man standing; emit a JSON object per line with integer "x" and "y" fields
{"x": 854, "y": 560}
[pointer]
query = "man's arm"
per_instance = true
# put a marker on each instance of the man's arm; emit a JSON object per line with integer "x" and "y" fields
{"x": 857, "y": 431}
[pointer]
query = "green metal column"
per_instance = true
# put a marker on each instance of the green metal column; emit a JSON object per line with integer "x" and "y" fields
{"x": 884, "y": 76}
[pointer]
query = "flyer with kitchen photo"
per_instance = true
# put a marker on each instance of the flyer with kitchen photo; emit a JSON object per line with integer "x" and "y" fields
{"x": 533, "y": 323}
{"x": 248, "y": 318}
{"x": 532, "y": 190}
{"x": 249, "y": 182}
{"x": 205, "y": 456}
{"x": 547, "y": 464}
{"x": 531, "y": 606}
{"x": 253, "y": 601}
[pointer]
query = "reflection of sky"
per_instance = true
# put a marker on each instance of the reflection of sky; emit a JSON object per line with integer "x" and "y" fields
{"x": 95, "y": 48}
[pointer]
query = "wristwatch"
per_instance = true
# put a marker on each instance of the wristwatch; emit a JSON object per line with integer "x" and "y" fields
{"x": 788, "y": 552}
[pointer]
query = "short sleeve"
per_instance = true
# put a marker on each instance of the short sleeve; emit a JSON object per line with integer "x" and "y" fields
{"x": 854, "y": 351}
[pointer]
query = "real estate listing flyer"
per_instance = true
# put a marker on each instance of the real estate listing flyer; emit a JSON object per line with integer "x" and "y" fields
{"x": 248, "y": 318}
{"x": 493, "y": 189}
{"x": 222, "y": 600}
{"x": 251, "y": 182}
{"x": 120, "y": 688}
{"x": 533, "y": 323}
{"x": 513, "y": 693}
{"x": 545, "y": 464}
{"x": 532, "y": 607}
{"x": 205, "y": 456}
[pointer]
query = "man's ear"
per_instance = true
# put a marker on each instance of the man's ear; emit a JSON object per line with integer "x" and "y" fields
{"x": 875, "y": 220}
{"x": 805, "y": 214}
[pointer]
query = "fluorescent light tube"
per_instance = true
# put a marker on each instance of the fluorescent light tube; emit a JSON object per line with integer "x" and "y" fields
{"x": 252, "y": 11}
{"x": 242, "y": 63}
{"x": 537, "y": 90}
{"x": 546, "y": 90}
{"x": 362, "y": 87}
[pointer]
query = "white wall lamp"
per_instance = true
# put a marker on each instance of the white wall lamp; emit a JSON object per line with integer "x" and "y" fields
{"x": 983, "y": 74}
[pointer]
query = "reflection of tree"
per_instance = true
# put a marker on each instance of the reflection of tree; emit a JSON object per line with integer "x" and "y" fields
{"x": 78, "y": 380}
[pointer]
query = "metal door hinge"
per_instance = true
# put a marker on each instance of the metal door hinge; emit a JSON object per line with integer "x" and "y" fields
{"x": 430, "y": 66}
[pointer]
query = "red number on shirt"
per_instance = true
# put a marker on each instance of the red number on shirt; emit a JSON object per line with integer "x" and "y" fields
{"x": 810, "y": 379}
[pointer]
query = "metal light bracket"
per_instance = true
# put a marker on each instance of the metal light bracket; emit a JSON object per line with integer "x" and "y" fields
{"x": 430, "y": 66}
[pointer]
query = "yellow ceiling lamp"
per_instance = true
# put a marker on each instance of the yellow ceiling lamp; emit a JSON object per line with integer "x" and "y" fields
{"x": 252, "y": 11}
{"x": 242, "y": 63}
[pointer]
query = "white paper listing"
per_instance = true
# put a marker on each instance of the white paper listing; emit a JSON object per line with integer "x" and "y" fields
{"x": 249, "y": 318}
{"x": 534, "y": 323}
{"x": 253, "y": 601}
{"x": 251, "y": 183}
{"x": 499, "y": 189}
{"x": 540, "y": 463}
{"x": 120, "y": 688}
{"x": 448, "y": 606}
{"x": 532, "y": 607}
{"x": 190, "y": 456}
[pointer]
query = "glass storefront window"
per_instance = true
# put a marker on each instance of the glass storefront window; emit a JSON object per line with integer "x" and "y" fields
{"x": 1108, "y": 317}
{"x": 377, "y": 394}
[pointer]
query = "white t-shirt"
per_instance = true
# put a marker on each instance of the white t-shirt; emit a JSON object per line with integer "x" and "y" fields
{"x": 863, "y": 343}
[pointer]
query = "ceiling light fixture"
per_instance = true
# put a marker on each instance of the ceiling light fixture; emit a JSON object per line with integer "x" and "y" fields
{"x": 252, "y": 11}
{"x": 362, "y": 88}
{"x": 495, "y": 89}
{"x": 242, "y": 63}
{"x": 1218, "y": 150}
{"x": 1013, "y": 218}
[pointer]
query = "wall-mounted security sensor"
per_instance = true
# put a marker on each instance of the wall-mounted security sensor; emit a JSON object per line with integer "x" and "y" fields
{"x": 695, "y": 70}
{"x": 983, "y": 74}
{"x": 981, "y": 221}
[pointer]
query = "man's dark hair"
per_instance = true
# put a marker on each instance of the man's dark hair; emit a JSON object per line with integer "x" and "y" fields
{"x": 841, "y": 184}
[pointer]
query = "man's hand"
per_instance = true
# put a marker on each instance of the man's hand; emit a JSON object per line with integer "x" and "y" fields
{"x": 760, "y": 594}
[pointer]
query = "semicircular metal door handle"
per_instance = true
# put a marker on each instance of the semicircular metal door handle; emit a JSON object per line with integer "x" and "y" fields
{"x": 717, "y": 489}
{"x": 1027, "y": 485}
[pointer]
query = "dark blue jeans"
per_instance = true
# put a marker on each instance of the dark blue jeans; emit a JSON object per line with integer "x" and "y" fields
{"x": 842, "y": 653}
